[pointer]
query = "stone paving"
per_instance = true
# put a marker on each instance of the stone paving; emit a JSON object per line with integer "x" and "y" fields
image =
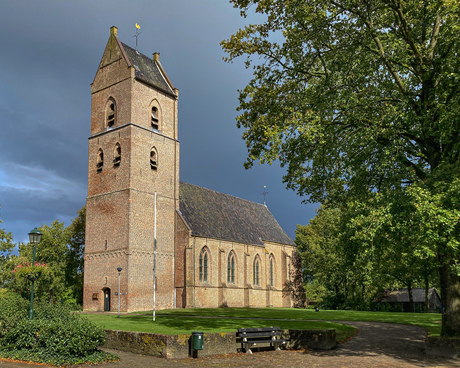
{"x": 376, "y": 345}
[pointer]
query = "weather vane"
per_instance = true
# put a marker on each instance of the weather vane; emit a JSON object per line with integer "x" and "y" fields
{"x": 264, "y": 193}
{"x": 138, "y": 27}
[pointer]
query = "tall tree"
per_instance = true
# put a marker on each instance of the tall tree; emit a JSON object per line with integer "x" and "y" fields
{"x": 6, "y": 247}
{"x": 339, "y": 273}
{"x": 51, "y": 251}
{"x": 294, "y": 287}
{"x": 358, "y": 97}
{"x": 74, "y": 256}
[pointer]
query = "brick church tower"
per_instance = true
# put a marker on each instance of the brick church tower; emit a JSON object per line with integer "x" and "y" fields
{"x": 133, "y": 155}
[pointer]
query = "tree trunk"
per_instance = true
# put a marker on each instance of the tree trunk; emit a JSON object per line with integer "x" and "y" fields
{"x": 427, "y": 301}
{"x": 450, "y": 299}
{"x": 411, "y": 298}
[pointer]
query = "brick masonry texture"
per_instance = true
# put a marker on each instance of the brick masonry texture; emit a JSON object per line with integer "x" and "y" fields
{"x": 121, "y": 209}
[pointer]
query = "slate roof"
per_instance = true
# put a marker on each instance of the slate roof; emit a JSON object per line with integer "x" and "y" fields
{"x": 402, "y": 295}
{"x": 221, "y": 216}
{"x": 147, "y": 70}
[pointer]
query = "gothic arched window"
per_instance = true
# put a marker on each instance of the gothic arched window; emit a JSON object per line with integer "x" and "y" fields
{"x": 203, "y": 265}
{"x": 272, "y": 270}
{"x": 153, "y": 159}
{"x": 100, "y": 160}
{"x": 256, "y": 267}
{"x": 117, "y": 155}
{"x": 110, "y": 113}
{"x": 231, "y": 268}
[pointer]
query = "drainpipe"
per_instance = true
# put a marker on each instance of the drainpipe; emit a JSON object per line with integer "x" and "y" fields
{"x": 194, "y": 267}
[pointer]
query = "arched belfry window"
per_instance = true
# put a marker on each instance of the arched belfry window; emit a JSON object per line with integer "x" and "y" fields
{"x": 153, "y": 159}
{"x": 155, "y": 118}
{"x": 117, "y": 155}
{"x": 100, "y": 160}
{"x": 231, "y": 268}
{"x": 272, "y": 270}
{"x": 203, "y": 264}
{"x": 256, "y": 269}
{"x": 111, "y": 113}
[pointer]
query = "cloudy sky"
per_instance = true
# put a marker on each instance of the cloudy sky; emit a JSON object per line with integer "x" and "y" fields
{"x": 49, "y": 54}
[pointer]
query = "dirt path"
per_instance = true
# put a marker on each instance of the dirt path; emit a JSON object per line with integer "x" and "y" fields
{"x": 376, "y": 345}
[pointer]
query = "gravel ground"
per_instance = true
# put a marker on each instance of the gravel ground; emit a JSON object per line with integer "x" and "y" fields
{"x": 376, "y": 345}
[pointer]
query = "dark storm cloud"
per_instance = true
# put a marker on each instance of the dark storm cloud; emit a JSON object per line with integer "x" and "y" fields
{"x": 49, "y": 54}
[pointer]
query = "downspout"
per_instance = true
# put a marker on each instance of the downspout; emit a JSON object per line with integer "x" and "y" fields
{"x": 194, "y": 288}
{"x": 175, "y": 201}
{"x": 154, "y": 256}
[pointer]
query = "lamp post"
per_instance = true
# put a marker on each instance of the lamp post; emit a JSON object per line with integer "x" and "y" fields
{"x": 119, "y": 269}
{"x": 35, "y": 236}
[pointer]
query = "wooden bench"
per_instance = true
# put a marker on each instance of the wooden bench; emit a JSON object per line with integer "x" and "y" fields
{"x": 264, "y": 335}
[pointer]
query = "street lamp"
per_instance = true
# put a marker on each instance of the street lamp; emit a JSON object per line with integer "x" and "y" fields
{"x": 119, "y": 269}
{"x": 35, "y": 236}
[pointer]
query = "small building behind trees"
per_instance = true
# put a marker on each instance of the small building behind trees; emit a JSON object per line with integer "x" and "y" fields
{"x": 398, "y": 300}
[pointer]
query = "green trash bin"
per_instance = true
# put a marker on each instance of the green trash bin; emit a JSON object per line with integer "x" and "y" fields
{"x": 197, "y": 340}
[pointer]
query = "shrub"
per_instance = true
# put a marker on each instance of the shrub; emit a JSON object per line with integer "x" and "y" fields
{"x": 55, "y": 336}
{"x": 13, "y": 309}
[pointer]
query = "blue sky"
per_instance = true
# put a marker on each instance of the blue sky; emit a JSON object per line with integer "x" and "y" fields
{"x": 50, "y": 51}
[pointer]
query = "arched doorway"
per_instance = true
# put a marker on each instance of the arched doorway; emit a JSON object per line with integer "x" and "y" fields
{"x": 107, "y": 300}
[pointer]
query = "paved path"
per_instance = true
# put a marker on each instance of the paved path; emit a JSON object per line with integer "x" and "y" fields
{"x": 376, "y": 345}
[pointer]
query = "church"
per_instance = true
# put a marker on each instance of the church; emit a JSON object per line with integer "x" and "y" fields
{"x": 204, "y": 248}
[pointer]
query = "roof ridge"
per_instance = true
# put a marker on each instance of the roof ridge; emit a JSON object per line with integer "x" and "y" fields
{"x": 226, "y": 194}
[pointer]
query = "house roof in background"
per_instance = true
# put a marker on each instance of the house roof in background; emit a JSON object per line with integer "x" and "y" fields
{"x": 402, "y": 295}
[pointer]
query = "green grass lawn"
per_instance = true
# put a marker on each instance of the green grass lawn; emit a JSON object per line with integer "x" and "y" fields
{"x": 430, "y": 321}
{"x": 176, "y": 325}
{"x": 183, "y": 321}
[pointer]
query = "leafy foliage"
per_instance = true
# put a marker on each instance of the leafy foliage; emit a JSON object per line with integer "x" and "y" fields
{"x": 6, "y": 247}
{"x": 56, "y": 335}
{"x": 13, "y": 309}
{"x": 74, "y": 256}
{"x": 294, "y": 286}
{"x": 360, "y": 101}
{"x": 351, "y": 96}
{"x": 61, "y": 249}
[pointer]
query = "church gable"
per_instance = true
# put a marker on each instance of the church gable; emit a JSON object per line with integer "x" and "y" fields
{"x": 217, "y": 215}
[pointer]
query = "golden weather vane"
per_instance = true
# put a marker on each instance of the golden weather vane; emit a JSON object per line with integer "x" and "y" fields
{"x": 138, "y": 27}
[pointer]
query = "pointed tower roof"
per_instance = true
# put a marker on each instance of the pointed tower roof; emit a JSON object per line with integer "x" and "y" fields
{"x": 149, "y": 71}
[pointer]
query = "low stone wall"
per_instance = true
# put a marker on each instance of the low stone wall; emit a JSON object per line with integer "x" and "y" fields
{"x": 311, "y": 339}
{"x": 178, "y": 346}
{"x": 447, "y": 347}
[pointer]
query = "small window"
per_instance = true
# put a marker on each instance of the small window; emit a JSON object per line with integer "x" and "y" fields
{"x": 117, "y": 155}
{"x": 110, "y": 113}
{"x": 256, "y": 279}
{"x": 203, "y": 265}
{"x": 154, "y": 119}
{"x": 153, "y": 159}
{"x": 100, "y": 160}
{"x": 231, "y": 268}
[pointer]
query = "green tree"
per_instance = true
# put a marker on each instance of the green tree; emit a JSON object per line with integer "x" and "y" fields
{"x": 52, "y": 251}
{"x": 6, "y": 244}
{"x": 74, "y": 256}
{"x": 294, "y": 287}
{"x": 6, "y": 247}
{"x": 358, "y": 97}
{"x": 339, "y": 274}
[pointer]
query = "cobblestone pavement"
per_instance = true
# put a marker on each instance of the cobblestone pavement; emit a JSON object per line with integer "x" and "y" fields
{"x": 376, "y": 345}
